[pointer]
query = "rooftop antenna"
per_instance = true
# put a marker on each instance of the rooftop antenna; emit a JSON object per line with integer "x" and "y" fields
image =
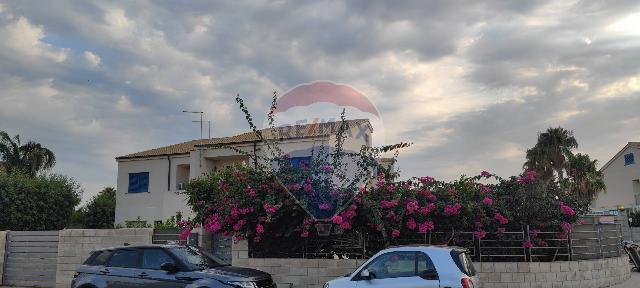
{"x": 200, "y": 148}
{"x": 208, "y": 121}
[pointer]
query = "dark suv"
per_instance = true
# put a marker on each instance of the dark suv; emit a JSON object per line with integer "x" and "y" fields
{"x": 164, "y": 266}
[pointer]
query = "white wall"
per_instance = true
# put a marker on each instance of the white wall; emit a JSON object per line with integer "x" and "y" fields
{"x": 618, "y": 179}
{"x": 162, "y": 201}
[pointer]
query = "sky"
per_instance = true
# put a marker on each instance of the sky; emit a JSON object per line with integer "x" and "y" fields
{"x": 470, "y": 83}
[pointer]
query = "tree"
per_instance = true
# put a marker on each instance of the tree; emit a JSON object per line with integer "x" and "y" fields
{"x": 585, "y": 179}
{"x": 550, "y": 154}
{"x": 30, "y": 158}
{"x": 101, "y": 211}
{"x": 43, "y": 202}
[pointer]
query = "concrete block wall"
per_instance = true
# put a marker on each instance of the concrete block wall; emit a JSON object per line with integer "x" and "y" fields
{"x": 313, "y": 273}
{"x": 583, "y": 273}
{"x": 3, "y": 244}
{"x": 74, "y": 245}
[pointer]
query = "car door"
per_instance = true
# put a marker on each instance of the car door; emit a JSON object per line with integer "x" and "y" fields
{"x": 122, "y": 269}
{"x": 151, "y": 274}
{"x": 400, "y": 269}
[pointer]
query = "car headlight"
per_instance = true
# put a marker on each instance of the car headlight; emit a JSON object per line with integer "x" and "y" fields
{"x": 243, "y": 284}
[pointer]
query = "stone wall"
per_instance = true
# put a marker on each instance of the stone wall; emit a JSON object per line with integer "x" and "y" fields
{"x": 583, "y": 273}
{"x": 75, "y": 245}
{"x": 3, "y": 239}
{"x": 313, "y": 273}
{"x": 635, "y": 234}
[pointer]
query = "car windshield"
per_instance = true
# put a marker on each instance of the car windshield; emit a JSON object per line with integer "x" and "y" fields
{"x": 197, "y": 259}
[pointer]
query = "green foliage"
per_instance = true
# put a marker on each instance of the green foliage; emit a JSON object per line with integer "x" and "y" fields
{"x": 29, "y": 158}
{"x": 169, "y": 224}
{"x": 100, "y": 212}
{"x": 43, "y": 202}
{"x": 138, "y": 223}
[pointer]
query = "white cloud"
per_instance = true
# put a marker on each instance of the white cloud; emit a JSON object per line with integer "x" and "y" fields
{"x": 25, "y": 39}
{"x": 92, "y": 59}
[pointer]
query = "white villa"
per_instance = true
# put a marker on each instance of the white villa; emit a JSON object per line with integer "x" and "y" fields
{"x": 622, "y": 179}
{"x": 148, "y": 181}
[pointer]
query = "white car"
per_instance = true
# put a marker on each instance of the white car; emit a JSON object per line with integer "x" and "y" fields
{"x": 413, "y": 267}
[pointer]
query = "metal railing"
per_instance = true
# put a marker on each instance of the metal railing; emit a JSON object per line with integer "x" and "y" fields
{"x": 588, "y": 241}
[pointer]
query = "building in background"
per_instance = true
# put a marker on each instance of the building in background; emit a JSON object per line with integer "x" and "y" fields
{"x": 622, "y": 179}
{"x": 149, "y": 182}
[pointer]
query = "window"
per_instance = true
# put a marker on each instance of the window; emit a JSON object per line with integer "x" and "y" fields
{"x": 394, "y": 265}
{"x": 628, "y": 159}
{"x": 138, "y": 182}
{"x": 463, "y": 261}
{"x": 153, "y": 258}
{"x": 126, "y": 258}
{"x": 98, "y": 258}
{"x": 298, "y": 162}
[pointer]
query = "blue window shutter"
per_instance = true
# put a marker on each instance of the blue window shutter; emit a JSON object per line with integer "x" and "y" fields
{"x": 629, "y": 159}
{"x": 139, "y": 182}
{"x": 296, "y": 162}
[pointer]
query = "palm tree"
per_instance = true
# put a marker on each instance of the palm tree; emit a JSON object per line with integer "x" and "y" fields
{"x": 586, "y": 180}
{"x": 551, "y": 153}
{"x": 30, "y": 158}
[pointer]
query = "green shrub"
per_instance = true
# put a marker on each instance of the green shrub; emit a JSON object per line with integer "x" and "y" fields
{"x": 44, "y": 202}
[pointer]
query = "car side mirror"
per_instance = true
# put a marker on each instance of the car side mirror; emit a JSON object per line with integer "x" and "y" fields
{"x": 169, "y": 267}
{"x": 366, "y": 275}
{"x": 430, "y": 274}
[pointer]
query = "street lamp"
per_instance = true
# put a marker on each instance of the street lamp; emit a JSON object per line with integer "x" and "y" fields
{"x": 194, "y": 112}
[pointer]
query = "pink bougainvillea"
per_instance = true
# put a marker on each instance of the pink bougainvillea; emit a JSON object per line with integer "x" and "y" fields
{"x": 479, "y": 234}
{"x": 527, "y": 244}
{"x": 501, "y": 219}
{"x": 411, "y": 224}
{"x": 451, "y": 210}
{"x": 395, "y": 233}
{"x": 412, "y": 206}
{"x": 565, "y": 209}
{"x": 426, "y": 227}
{"x": 487, "y": 201}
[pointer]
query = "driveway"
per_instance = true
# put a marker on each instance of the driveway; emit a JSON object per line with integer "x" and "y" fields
{"x": 631, "y": 283}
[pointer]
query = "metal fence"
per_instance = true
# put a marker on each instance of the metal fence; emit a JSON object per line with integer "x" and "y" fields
{"x": 585, "y": 241}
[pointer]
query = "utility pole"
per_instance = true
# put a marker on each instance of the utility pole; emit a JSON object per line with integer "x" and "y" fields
{"x": 199, "y": 148}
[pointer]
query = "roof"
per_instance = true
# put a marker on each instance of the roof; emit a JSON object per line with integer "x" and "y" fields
{"x": 282, "y": 133}
{"x": 630, "y": 144}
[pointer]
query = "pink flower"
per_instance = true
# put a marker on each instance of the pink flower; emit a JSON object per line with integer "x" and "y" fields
{"x": 337, "y": 219}
{"x": 185, "y": 233}
{"x": 566, "y": 209}
{"x": 527, "y": 244}
{"x": 451, "y": 210}
{"x": 430, "y": 197}
{"x": 485, "y": 174}
{"x": 391, "y": 215}
{"x": 566, "y": 226}
{"x": 411, "y": 224}
{"x": 395, "y": 233}
{"x": 259, "y": 229}
{"x": 528, "y": 177}
{"x": 426, "y": 179}
{"x": 479, "y": 234}
{"x": 270, "y": 209}
{"x": 534, "y": 232}
{"x": 251, "y": 191}
{"x": 487, "y": 201}
{"x": 324, "y": 206}
{"x": 426, "y": 227}
{"x": 503, "y": 220}
{"x": 425, "y": 210}
{"x": 388, "y": 204}
{"x": 304, "y": 234}
{"x": 501, "y": 231}
{"x": 345, "y": 225}
{"x": 295, "y": 186}
{"x": 412, "y": 206}
{"x": 307, "y": 187}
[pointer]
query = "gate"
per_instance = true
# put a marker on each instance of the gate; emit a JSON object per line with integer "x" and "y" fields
{"x": 31, "y": 258}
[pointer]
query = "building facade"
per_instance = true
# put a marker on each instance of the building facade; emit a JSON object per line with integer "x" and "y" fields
{"x": 149, "y": 182}
{"x": 622, "y": 179}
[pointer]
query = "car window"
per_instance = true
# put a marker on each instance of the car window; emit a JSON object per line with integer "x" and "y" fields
{"x": 393, "y": 265}
{"x": 153, "y": 258}
{"x": 463, "y": 261}
{"x": 196, "y": 259}
{"x": 424, "y": 263}
{"x": 99, "y": 258}
{"x": 127, "y": 258}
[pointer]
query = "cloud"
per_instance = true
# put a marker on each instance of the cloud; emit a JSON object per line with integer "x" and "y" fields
{"x": 469, "y": 83}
